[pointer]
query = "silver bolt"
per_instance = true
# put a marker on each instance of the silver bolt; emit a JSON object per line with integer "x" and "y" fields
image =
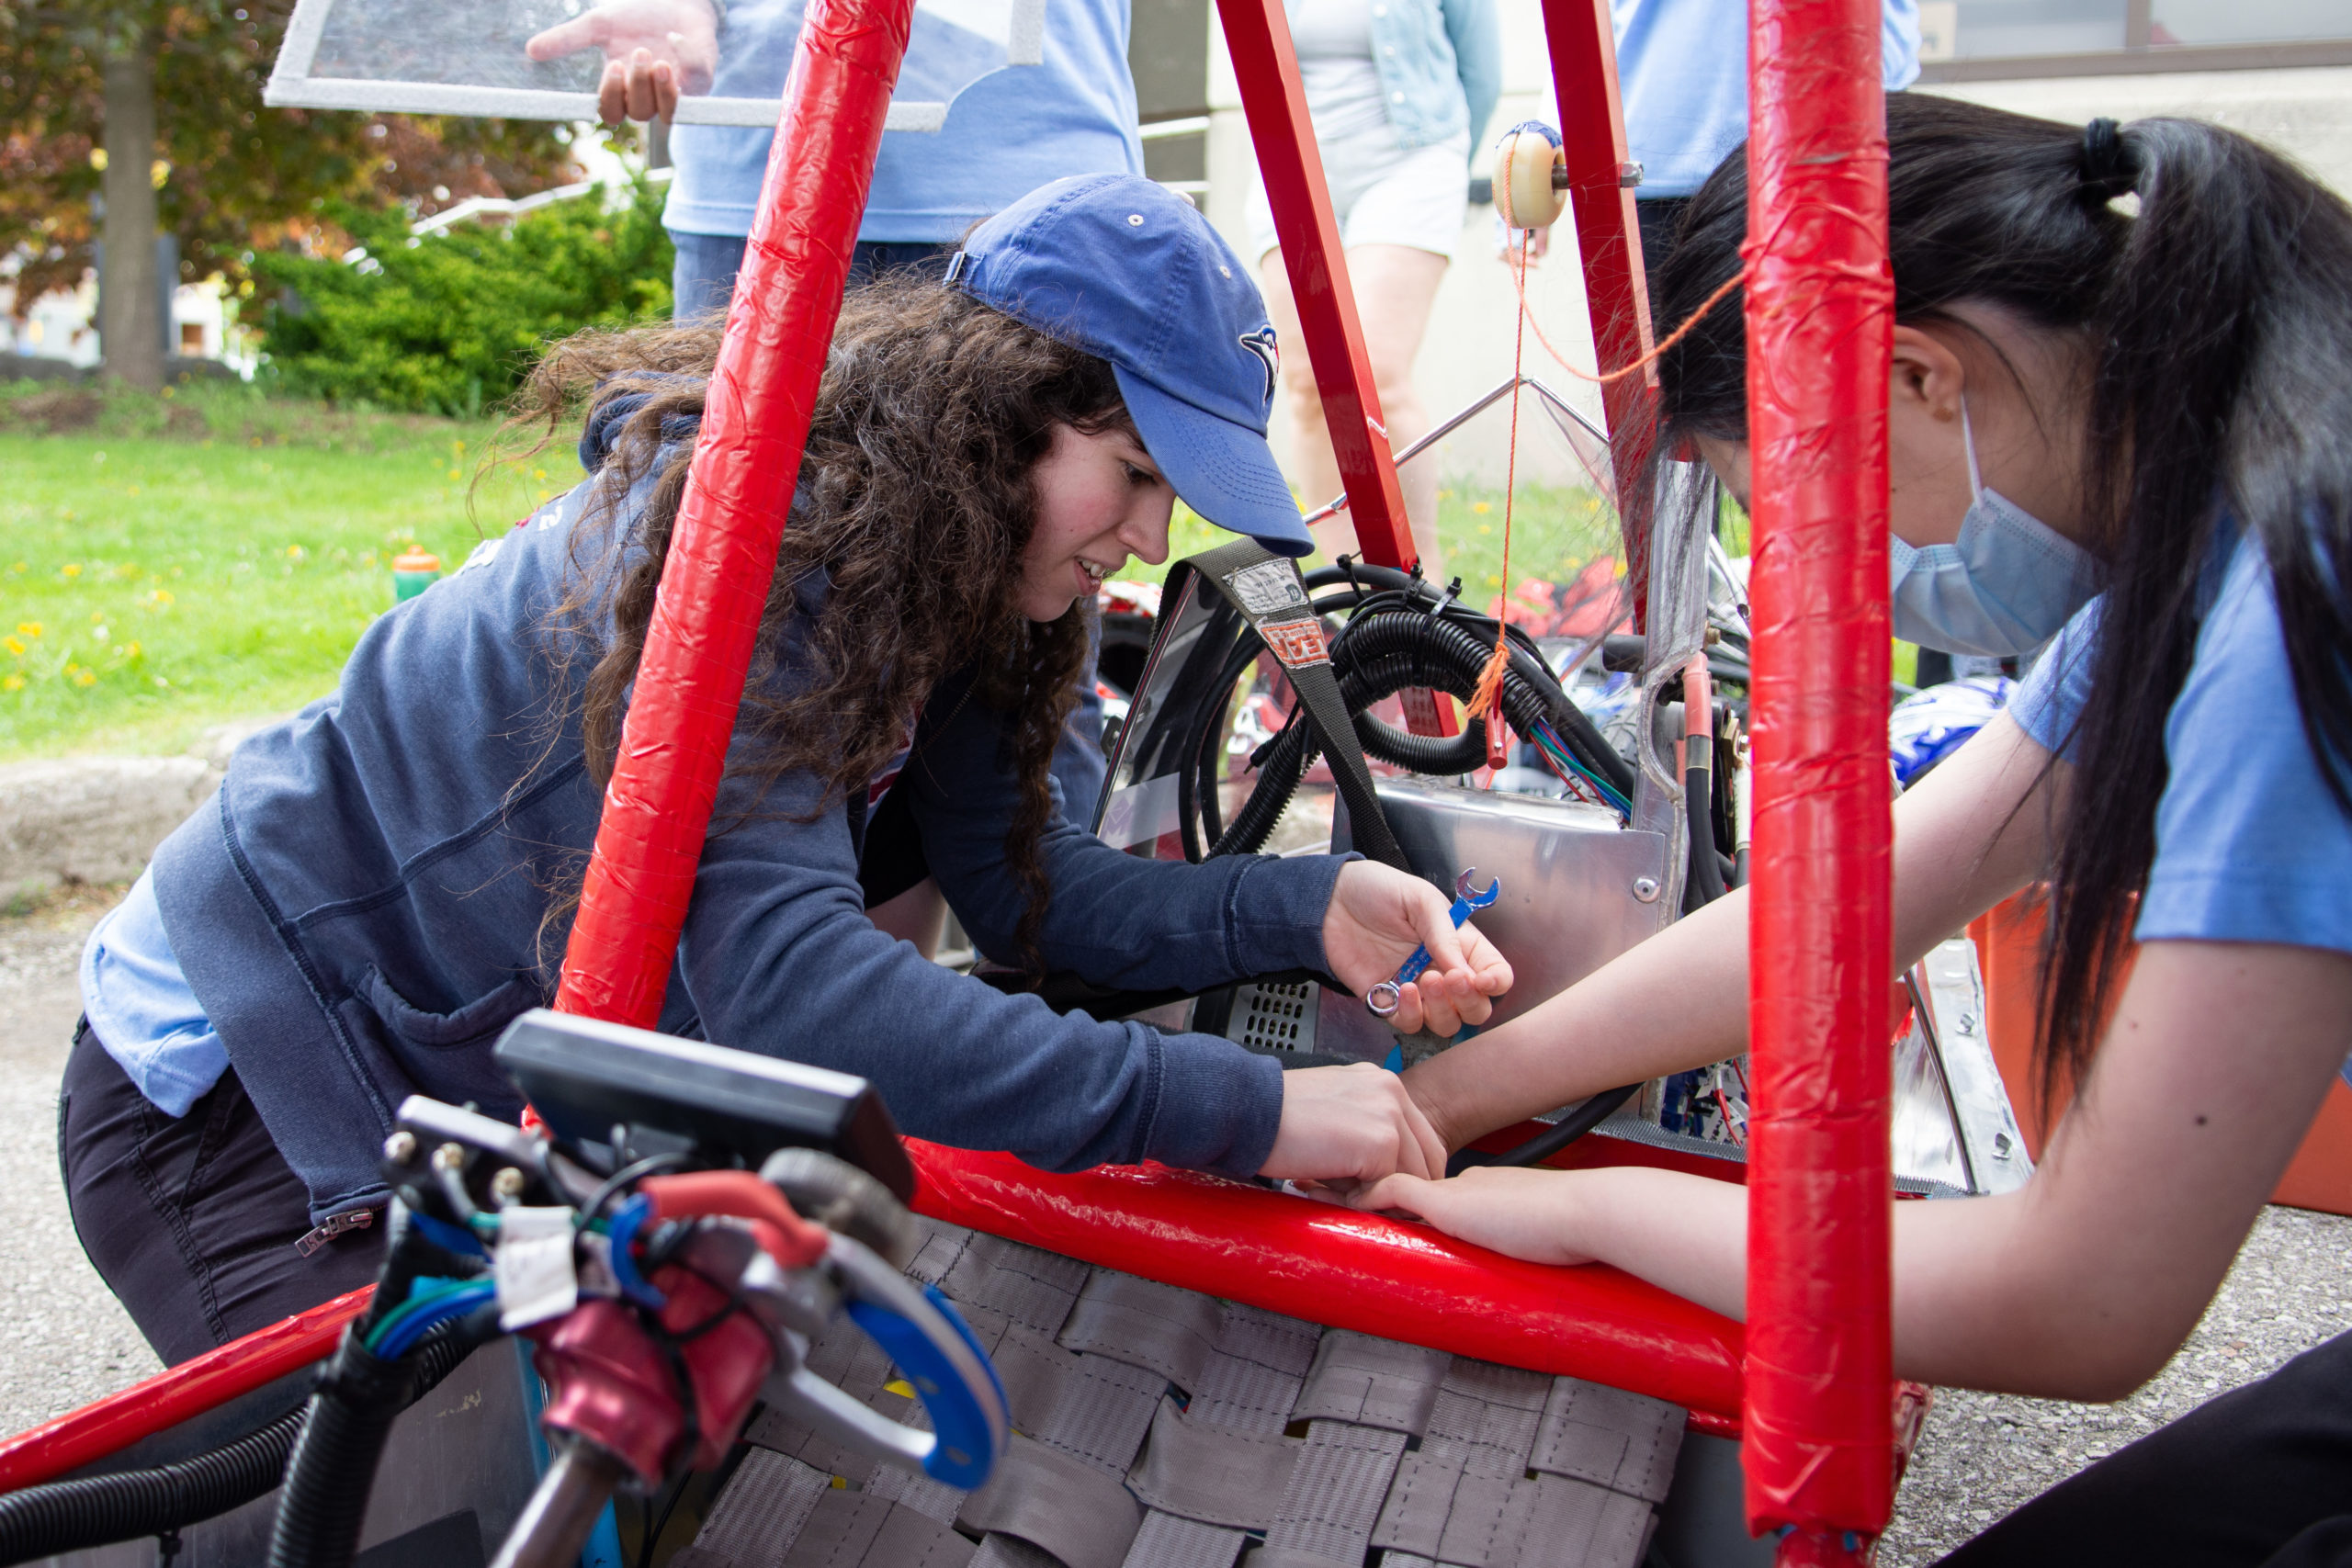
{"x": 400, "y": 1147}
{"x": 1968, "y": 1023}
{"x": 1646, "y": 889}
{"x": 507, "y": 1185}
{"x": 449, "y": 1157}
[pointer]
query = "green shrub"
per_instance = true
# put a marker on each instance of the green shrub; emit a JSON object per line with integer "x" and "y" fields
{"x": 450, "y": 324}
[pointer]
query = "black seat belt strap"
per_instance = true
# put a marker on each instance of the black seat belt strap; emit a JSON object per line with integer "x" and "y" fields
{"x": 1272, "y": 596}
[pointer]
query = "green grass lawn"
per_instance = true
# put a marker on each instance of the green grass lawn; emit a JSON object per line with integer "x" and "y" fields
{"x": 170, "y": 563}
{"x": 167, "y": 564}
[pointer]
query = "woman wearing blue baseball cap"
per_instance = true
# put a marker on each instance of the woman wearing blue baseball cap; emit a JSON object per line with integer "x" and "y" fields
{"x": 386, "y": 880}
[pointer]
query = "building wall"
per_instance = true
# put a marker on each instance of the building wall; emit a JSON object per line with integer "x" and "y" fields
{"x": 2306, "y": 113}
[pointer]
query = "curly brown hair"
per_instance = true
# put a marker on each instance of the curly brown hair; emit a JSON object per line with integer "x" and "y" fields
{"x": 916, "y": 495}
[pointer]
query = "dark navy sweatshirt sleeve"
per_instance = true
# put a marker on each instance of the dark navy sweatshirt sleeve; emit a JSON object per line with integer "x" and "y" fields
{"x": 1112, "y": 917}
{"x": 780, "y": 958}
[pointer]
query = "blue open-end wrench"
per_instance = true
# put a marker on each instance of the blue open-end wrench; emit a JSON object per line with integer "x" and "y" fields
{"x": 1384, "y": 997}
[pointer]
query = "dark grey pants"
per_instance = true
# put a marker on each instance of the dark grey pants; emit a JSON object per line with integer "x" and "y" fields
{"x": 2260, "y": 1477}
{"x": 195, "y": 1222}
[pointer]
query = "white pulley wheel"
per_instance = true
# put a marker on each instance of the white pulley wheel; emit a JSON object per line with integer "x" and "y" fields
{"x": 1524, "y": 159}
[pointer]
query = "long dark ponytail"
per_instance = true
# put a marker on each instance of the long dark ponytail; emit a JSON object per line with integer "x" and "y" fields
{"x": 2219, "y": 325}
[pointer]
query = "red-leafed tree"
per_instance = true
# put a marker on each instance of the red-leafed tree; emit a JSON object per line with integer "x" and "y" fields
{"x": 123, "y": 119}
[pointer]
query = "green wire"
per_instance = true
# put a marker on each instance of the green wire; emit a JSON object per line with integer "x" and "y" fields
{"x": 410, "y": 1307}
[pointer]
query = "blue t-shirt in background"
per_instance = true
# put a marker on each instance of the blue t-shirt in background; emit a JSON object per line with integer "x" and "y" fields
{"x": 1006, "y": 134}
{"x": 2250, "y": 845}
{"x": 1682, "y": 71}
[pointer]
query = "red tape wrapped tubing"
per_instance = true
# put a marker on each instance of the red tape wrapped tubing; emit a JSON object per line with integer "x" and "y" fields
{"x": 1820, "y": 302}
{"x": 723, "y": 551}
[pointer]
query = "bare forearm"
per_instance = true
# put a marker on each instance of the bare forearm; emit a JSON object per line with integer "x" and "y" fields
{"x": 1964, "y": 840}
{"x": 1679, "y": 1001}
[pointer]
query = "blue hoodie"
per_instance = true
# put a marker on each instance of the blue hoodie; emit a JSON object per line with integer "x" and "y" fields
{"x": 360, "y": 909}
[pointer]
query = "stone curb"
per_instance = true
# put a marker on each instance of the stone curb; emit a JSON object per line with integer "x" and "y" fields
{"x": 99, "y": 818}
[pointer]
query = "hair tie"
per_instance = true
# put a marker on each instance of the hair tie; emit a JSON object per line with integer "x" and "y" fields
{"x": 2110, "y": 166}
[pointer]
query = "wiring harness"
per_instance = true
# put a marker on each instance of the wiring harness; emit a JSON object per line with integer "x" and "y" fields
{"x": 1401, "y": 632}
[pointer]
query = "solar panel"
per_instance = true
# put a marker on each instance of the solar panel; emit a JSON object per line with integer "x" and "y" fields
{"x": 542, "y": 59}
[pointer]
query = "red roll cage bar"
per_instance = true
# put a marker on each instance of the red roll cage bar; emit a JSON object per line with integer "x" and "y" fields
{"x": 1808, "y": 1381}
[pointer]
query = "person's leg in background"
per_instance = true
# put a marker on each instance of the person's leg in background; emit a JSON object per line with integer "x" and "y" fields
{"x": 195, "y": 1222}
{"x": 1659, "y": 217}
{"x": 873, "y": 258}
{"x": 1394, "y": 288}
{"x": 702, "y": 273}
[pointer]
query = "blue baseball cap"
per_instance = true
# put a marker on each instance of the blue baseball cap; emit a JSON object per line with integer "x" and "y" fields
{"x": 1130, "y": 272}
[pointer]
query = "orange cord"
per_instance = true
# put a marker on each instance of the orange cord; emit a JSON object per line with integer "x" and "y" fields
{"x": 1611, "y": 378}
{"x": 1486, "y": 701}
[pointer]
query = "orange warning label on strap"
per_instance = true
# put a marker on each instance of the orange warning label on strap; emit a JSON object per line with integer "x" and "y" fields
{"x": 1296, "y": 643}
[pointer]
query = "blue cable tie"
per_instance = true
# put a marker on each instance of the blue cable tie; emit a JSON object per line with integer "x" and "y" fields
{"x": 627, "y": 1220}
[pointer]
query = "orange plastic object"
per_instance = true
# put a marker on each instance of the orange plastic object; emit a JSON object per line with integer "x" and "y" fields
{"x": 2009, "y": 948}
{"x": 175, "y": 1394}
{"x": 1820, "y": 309}
{"x": 715, "y": 581}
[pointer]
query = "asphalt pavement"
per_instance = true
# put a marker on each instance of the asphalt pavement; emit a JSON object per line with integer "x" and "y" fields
{"x": 64, "y": 1339}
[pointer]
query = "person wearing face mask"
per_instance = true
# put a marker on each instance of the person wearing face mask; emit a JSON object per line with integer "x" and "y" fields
{"x": 384, "y": 882}
{"x": 2134, "y": 432}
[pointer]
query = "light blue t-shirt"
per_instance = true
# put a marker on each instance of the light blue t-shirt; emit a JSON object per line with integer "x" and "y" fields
{"x": 2250, "y": 845}
{"x": 1682, "y": 72}
{"x": 1005, "y": 135}
{"x": 139, "y": 1004}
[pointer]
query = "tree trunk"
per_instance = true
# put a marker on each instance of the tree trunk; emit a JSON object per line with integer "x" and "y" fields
{"x": 131, "y": 329}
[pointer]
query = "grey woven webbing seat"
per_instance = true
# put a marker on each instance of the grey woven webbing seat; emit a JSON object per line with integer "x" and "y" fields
{"x": 1159, "y": 1428}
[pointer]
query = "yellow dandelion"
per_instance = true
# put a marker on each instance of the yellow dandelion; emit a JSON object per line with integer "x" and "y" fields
{"x": 72, "y": 568}
{"x": 160, "y": 596}
{"x": 1494, "y": 580}
{"x": 12, "y": 683}
{"x": 1482, "y": 507}
{"x": 538, "y": 473}
{"x": 129, "y": 649}
{"x": 86, "y": 678}
{"x": 28, "y": 629}
{"x": 97, "y": 618}
{"x": 18, "y": 567}
{"x": 295, "y": 552}
{"x": 1486, "y": 527}
{"x": 13, "y": 645}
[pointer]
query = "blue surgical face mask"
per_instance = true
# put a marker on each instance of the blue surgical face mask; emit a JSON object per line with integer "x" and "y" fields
{"x": 2004, "y": 586}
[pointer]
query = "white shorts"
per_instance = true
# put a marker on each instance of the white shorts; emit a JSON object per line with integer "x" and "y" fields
{"x": 1384, "y": 195}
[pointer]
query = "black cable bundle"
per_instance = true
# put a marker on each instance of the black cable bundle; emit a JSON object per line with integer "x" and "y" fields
{"x": 1402, "y": 633}
{"x": 73, "y": 1515}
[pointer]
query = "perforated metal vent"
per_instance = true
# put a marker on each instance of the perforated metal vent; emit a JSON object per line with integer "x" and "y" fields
{"x": 1275, "y": 1018}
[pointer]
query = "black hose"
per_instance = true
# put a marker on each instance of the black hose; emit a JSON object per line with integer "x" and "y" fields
{"x": 99, "y": 1510}
{"x": 1385, "y": 649}
{"x": 1582, "y": 1118}
{"x": 70, "y": 1515}
{"x": 332, "y": 1468}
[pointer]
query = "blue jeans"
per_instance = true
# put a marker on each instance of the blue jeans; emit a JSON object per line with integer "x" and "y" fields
{"x": 702, "y": 277}
{"x": 703, "y": 280}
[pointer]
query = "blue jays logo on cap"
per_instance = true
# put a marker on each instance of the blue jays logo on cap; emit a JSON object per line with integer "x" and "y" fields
{"x": 1269, "y": 350}
{"x": 1128, "y": 271}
